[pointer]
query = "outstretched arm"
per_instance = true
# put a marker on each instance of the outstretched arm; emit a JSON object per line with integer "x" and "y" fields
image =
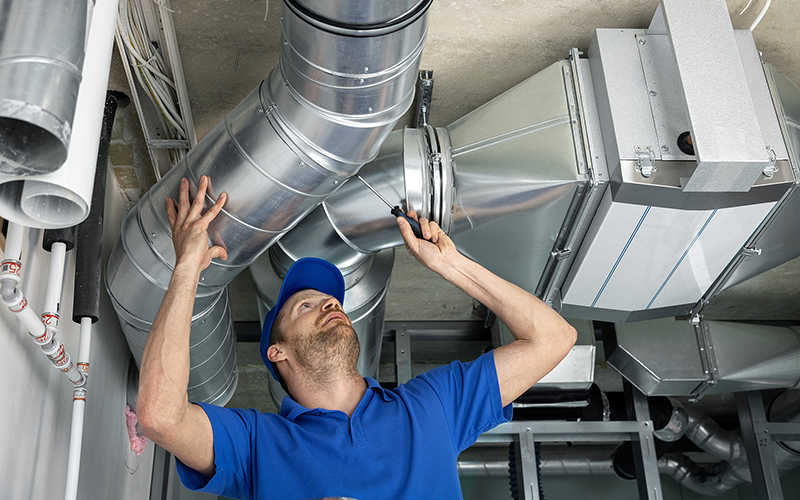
{"x": 543, "y": 338}
{"x": 163, "y": 408}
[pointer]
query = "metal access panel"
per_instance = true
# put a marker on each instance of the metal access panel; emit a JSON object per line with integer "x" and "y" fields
{"x": 641, "y": 262}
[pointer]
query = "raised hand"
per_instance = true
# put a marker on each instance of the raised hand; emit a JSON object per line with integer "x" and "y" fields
{"x": 435, "y": 250}
{"x": 190, "y": 226}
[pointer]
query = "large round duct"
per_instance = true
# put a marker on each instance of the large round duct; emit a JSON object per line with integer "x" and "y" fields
{"x": 335, "y": 95}
{"x": 58, "y": 197}
{"x": 41, "y": 56}
{"x": 366, "y": 283}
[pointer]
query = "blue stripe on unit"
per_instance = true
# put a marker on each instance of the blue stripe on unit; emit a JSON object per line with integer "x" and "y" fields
{"x": 622, "y": 254}
{"x": 681, "y": 259}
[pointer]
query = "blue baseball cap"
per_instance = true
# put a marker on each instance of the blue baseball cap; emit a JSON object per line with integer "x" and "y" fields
{"x": 306, "y": 273}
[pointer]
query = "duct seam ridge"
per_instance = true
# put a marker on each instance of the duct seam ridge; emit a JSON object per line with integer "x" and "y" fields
{"x": 258, "y": 169}
{"x": 397, "y": 68}
{"x": 514, "y": 134}
{"x": 60, "y": 63}
{"x": 355, "y": 121}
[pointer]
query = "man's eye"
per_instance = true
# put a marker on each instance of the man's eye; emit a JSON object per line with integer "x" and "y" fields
{"x": 305, "y": 305}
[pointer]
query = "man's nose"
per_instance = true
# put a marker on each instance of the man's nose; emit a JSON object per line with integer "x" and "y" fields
{"x": 331, "y": 303}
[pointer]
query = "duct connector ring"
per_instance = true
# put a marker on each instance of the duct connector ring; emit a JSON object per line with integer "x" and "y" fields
{"x": 429, "y": 174}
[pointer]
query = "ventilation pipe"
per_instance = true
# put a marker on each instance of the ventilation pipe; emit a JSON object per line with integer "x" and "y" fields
{"x": 59, "y": 198}
{"x": 512, "y": 169}
{"x": 35, "y": 128}
{"x": 345, "y": 76}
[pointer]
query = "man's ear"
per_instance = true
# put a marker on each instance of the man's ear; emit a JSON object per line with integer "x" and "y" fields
{"x": 276, "y": 353}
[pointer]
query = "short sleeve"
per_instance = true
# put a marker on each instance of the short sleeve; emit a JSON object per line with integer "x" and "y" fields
{"x": 470, "y": 395}
{"x": 233, "y": 431}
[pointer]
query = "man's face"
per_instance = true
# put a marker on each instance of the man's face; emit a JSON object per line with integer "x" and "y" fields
{"x": 319, "y": 333}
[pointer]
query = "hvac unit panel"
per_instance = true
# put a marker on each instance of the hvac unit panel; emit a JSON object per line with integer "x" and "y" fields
{"x": 779, "y": 242}
{"x": 637, "y": 258}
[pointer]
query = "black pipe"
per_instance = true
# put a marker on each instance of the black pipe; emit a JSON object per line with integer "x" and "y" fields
{"x": 86, "y": 300}
{"x": 64, "y": 235}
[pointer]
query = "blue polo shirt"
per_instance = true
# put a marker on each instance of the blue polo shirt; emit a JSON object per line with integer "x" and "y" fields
{"x": 399, "y": 444}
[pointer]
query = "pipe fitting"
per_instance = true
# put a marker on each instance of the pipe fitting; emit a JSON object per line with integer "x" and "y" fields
{"x": 676, "y": 427}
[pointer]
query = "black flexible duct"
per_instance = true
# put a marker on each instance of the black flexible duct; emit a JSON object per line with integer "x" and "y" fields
{"x": 86, "y": 301}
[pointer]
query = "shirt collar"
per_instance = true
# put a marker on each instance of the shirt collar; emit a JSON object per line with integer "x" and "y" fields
{"x": 291, "y": 409}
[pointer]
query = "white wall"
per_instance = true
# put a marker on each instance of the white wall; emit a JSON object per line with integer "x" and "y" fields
{"x": 35, "y": 421}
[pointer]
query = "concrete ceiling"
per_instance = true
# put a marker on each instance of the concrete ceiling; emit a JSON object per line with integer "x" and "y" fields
{"x": 477, "y": 50}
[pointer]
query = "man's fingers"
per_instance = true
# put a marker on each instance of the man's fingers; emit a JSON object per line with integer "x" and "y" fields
{"x": 425, "y": 226}
{"x": 199, "y": 197}
{"x": 215, "y": 209}
{"x": 172, "y": 215}
{"x": 408, "y": 234}
{"x": 412, "y": 214}
{"x": 183, "y": 200}
{"x": 217, "y": 252}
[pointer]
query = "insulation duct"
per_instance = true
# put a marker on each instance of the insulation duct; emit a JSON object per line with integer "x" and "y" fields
{"x": 62, "y": 198}
{"x": 41, "y": 56}
{"x": 345, "y": 76}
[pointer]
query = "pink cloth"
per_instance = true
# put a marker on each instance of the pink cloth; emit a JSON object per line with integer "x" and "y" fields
{"x": 138, "y": 441}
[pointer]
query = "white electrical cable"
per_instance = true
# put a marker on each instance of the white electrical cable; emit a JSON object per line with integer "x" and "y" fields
{"x": 760, "y": 15}
{"x": 149, "y": 66}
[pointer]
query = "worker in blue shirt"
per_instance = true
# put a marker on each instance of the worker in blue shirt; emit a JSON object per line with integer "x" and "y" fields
{"x": 338, "y": 434}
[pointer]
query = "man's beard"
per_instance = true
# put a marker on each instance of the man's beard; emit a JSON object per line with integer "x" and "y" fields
{"x": 333, "y": 350}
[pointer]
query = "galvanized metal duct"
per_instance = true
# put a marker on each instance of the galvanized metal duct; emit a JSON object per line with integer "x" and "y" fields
{"x": 41, "y": 56}
{"x": 345, "y": 76}
{"x": 517, "y": 166}
{"x": 514, "y": 170}
{"x": 710, "y": 357}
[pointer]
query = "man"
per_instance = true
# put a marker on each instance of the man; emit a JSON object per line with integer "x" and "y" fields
{"x": 338, "y": 434}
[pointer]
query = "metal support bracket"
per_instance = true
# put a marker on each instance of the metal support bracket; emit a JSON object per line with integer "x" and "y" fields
{"x": 759, "y": 445}
{"x": 424, "y": 97}
{"x": 644, "y": 447}
{"x": 527, "y": 477}
{"x": 402, "y": 355}
{"x": 707, "y": 357}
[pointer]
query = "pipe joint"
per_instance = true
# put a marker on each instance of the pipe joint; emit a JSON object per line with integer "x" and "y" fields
{"x": 10, "y": 271}
{"x": 12, "y": 297}
{"x": 50, "y": 321}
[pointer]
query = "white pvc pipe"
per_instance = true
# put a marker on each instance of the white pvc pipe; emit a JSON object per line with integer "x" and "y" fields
{"x": 86, "y": 341}
{"x": 75, "y": 445}
{"x": 55, "y": 279}
{"x": 63, "y": 198}
{"x": 78, "y": 408}
{"x": 14, "y": 237}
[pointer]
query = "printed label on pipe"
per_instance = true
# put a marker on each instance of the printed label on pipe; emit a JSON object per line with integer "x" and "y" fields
{"x": 10, "y": 267}
{"x": 19, "y": 307}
